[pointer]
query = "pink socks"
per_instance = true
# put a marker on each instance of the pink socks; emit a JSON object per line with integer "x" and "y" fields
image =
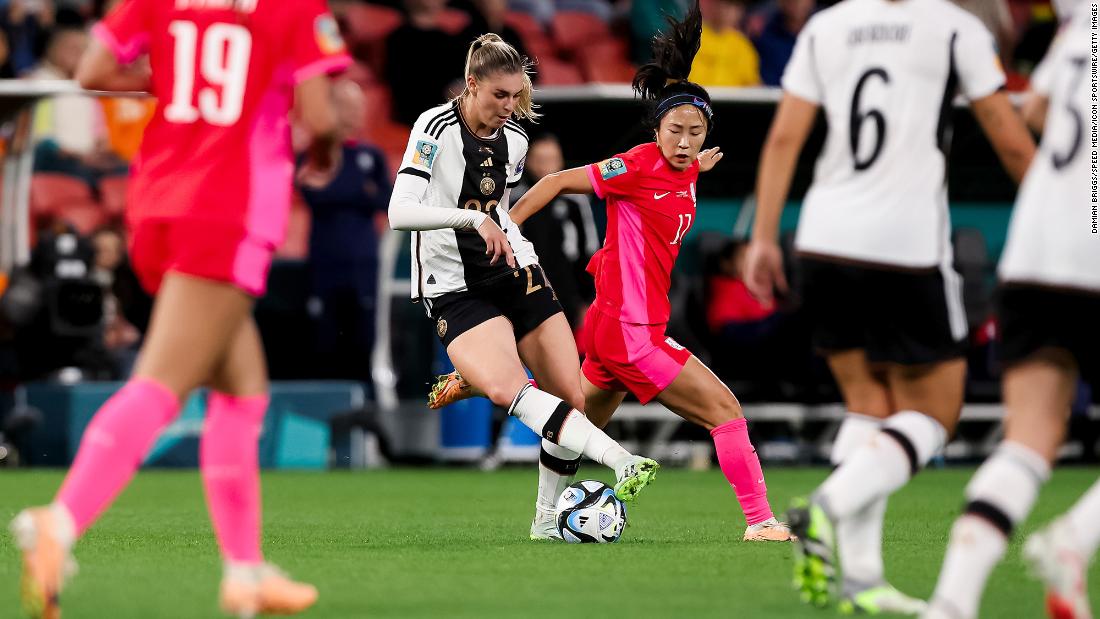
{"x": 114, "y": 445}
{"x": 229, "y": 459}
{"x": 739, "y": 463}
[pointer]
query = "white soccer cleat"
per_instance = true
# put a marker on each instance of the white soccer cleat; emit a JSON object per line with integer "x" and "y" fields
{"x": 1054, "y": 558}
{"x": 884, "y": 598}
{"x": 545, "y": 526}
{"x": 771, "y": 530}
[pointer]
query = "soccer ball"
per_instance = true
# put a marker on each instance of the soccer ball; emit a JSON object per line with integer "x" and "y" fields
{"x": 590, "y": 513}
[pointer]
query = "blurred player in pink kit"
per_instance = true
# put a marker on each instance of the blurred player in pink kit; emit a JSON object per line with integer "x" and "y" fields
{"x": 650, "y": 193}
{"x": 208, "y": 203}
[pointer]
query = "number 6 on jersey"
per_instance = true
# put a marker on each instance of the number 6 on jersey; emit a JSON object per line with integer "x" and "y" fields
{"x": 225, "y": 53}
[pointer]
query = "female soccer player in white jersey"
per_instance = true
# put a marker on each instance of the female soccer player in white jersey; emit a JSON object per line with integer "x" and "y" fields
{"x": 476, "y": 275}
{"x": 875, "y": 255}
{"x": 650, "y": 191}
{"x": 1049, "y": 304}
{"x": 208, "y": 203}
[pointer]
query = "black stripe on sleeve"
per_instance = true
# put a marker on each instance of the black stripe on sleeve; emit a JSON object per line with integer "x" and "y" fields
{"x": 438, "y": 118}
{"x": 950, "y": 88}
{"x": 443, "y": 127}
{"x": 514, "y": 183}
{"x": 518, "y": 131}
{"x": 421, "y": 173}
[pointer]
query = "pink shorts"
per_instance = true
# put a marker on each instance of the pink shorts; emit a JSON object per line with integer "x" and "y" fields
{"x": 622, "y": 356}
{"x": 218, "y": 251}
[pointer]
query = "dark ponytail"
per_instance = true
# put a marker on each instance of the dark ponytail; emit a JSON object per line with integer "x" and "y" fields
{"x": 667, "y": 75}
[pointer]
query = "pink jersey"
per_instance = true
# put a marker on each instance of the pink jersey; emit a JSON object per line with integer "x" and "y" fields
{"x": 224, "y": 71}
{"x": 650, "y": 208}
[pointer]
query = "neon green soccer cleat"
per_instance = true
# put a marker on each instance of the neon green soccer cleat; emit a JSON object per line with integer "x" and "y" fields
{"x": 815, "y": 553}
{"x": 634, "y": 475}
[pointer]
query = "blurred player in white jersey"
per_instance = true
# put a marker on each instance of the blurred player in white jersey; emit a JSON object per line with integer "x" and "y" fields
{"x": 873, "y": 241}
{"x": 1049, "y": 304}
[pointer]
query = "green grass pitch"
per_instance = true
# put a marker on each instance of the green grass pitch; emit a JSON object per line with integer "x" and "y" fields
{"x": 453, "y": 543}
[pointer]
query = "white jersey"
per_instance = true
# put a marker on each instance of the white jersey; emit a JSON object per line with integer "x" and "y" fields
{"x": 463, "y": 171}
{"x": 1053, "y": 238}
{"x": 886, "y": 73}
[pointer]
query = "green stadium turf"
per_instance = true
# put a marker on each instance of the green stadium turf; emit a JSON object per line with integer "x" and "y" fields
{"x": 453, "y": 543}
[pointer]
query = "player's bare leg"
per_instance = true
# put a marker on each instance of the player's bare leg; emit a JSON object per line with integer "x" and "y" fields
{"x": 1038, "y": 393}
{"x": 191, "y": 323}
{"x": 698, "y": 396}
{"x": 487, "y": 357}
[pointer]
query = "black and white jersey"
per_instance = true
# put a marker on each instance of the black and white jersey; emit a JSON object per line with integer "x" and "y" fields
{"x": 1054, "y": 239}
{"x": 463, "y": 171}
{"x": 885, "y": 73}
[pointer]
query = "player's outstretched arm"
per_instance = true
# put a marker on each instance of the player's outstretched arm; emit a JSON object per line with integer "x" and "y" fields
{"x": 574, "y": 180}
{"x": 99, "y": 70}
{"x": 764, "y": 262}
{"x": 1006, "y": 132}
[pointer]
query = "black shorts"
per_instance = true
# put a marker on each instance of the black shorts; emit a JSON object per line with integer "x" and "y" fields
{"x": 1036, "y": 317}
{"x": 895, "y": 315}
{"x": 524, "y": 297}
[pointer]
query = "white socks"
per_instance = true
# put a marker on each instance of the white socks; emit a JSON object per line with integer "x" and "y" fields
{"x": 999, "y": 497}
{"x": 1084, "y": 517}
{"x": 557, "y": 469}
{"x": 907, "y": 441}
{"x": 559, "y": 423}
{"x": 859, "y": 538}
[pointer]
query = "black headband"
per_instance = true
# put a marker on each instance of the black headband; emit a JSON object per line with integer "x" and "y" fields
{"x": 684, "y": 98}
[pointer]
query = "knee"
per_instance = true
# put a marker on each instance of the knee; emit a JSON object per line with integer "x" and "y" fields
{"x": 503, "y": 392}
{"x": 725, "y": 409}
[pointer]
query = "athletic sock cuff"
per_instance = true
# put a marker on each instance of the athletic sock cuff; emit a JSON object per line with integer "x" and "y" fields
{"x": 730, "y": 426}
{"x": 559, "y": 465}
{"x": 918, "y": 435}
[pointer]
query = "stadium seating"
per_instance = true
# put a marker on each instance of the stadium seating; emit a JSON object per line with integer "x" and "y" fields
{"x": 112, "y": 192}
{"x": 51, "y": 191}
{"x": 85, "y": 216}
{"x": 572, "y": 30}
{"x": 554, "y": 72}
{"x": 452, "y": 21}
{"x": 531, "y": 32}
{"x": 366, "y": 27}
{"x": 605, "y": 61}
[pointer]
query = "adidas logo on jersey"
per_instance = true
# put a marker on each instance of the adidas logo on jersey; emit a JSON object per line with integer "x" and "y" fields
{"x": 488, "y": 163}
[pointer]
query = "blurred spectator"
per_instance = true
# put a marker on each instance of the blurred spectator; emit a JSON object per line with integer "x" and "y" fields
{"x": 423, "y": 61}
{"x": 732, "y": 312}
{"x": 6, "y": 69}
{"x": 488, "y": 16}
{"x": 1036, "y": 38}
{"x": 70, "y": 127}
{"x": 776, "y": 41}
{"x": 120, "y": 337}
{"x": 26, "y": 25}
{"x": 564, "y": 233}
{"x": 543, "y": 10}
{"x": 349, "y": 213}
{"x": 997, "y": 18}
{"x": 125, "y": 119}
{"x": 726, "y": 57}
{"x": 647, "y": 18}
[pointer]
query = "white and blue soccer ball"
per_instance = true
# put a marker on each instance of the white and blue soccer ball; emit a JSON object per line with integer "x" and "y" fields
{"x": 590, "y": 513}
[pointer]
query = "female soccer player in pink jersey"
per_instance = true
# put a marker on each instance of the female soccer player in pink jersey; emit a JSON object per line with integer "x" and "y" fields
{"x": 650, "y": 193}
{"x": 208, "y": 203}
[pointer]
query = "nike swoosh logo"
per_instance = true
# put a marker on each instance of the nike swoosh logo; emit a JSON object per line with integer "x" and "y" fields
{"x": 658, "y": 196}
{"x": 760, "y": 481}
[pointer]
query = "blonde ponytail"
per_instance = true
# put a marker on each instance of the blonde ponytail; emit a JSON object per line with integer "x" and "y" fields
{"x": 490, "y": 54}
